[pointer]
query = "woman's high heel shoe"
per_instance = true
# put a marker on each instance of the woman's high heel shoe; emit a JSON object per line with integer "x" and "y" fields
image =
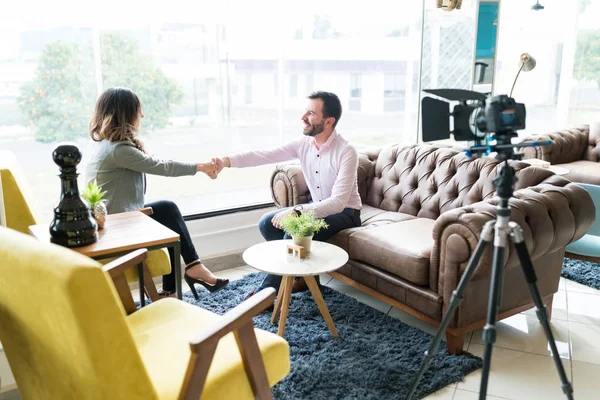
{"x": 221, "y": 283}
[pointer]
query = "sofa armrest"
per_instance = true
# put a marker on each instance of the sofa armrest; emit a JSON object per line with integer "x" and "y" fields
{"x": 568, "y": 145}
{"x": 288, "y": 186}
{"x": 551, "y": 216}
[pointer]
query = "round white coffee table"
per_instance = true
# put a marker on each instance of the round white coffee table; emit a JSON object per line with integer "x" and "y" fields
{"x": 273, "y": 258}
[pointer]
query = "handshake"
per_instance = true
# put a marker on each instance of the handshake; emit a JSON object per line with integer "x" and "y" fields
{"x": 214, "y": 167}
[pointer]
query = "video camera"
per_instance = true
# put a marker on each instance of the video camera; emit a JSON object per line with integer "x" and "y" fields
{"x": 490, "y": 123}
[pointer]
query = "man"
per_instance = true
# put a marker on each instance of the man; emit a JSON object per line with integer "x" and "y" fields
{"x": 329, "y": 165}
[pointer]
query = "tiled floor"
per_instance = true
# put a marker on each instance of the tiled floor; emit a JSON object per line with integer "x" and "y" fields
{"x": 522, "y": 366}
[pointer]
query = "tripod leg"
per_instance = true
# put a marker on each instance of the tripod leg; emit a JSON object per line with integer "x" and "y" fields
{"x": 489, "y": 331}
{"x": 457, "y": 297}
{"x": 541, "y": 311}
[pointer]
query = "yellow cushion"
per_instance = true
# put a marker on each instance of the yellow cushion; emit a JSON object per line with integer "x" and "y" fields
{"x": 162, "y": 332}
{"x": 17, "y": 196}
{"x": 158, "y": 262}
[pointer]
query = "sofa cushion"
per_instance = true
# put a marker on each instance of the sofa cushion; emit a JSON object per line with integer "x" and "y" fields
{"x": 401, "y": 248}
{"x": 582, "y": 171}
{"x": 371, "y": 217}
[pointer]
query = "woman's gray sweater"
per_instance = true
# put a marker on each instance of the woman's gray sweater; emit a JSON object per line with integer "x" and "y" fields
{"x": 120, "y": 168}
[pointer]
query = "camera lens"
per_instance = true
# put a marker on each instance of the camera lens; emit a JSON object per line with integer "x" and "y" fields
{"x": 508, "y": 118}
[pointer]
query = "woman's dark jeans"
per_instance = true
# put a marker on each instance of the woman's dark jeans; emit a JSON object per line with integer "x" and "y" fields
{"x": 167, "y": 213}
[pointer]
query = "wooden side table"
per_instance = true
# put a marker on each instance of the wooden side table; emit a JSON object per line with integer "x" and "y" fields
{"x": 123, "y": 233}
{"x": 272, "y": 257}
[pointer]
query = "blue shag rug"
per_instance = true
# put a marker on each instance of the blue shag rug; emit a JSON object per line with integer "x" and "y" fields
{"x": 584, "y": 272}
{"x": 376, "y": 356}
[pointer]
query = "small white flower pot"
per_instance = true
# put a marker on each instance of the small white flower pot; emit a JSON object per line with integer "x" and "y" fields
{"x": 304, "y": 241}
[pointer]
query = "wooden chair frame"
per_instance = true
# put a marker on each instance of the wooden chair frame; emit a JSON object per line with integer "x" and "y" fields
{"x": 204, "y": 343}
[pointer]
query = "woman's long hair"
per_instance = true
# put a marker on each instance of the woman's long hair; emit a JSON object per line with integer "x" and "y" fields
{"x": 117, "y": 117}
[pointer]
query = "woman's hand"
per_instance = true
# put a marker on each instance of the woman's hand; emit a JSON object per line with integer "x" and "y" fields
{"x": 220, "y": 163}
{"x": 214, "y": 167}
{"x": 208, "y": 168}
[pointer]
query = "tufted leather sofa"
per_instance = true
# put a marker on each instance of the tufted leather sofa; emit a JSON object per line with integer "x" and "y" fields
{"x": 423, "y": 210}
{"x": 574, "y": 149}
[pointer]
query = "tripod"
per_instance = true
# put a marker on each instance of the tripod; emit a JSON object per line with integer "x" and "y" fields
{"x": 502, "y": 227}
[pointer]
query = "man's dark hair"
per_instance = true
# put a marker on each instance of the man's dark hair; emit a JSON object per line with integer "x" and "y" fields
{"x": 331, "y": 105}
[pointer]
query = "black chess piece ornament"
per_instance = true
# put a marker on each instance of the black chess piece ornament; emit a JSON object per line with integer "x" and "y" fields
{"x": 73, "y": 224}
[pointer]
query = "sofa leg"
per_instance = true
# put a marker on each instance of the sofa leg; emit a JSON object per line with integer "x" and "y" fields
{"x": 455, "y": 343}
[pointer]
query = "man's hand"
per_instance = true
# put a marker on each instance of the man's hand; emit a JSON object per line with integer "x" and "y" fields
{"x": 212, "y": 174}
{"x": 209, "y": 168}
{"x": 277, "y": 218}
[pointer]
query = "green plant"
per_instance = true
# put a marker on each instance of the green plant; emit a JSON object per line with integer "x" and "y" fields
{"x": 93, "y": 194}
{"x": 59, "y": 101}
{"x": 124, "y": 64}
{"x": 303, "y": 225}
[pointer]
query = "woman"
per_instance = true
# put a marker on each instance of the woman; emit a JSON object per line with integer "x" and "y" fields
{"x": 119, "y": 162}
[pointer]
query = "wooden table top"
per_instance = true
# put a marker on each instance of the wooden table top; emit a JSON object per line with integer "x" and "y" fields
{"x": 122, "y": 232}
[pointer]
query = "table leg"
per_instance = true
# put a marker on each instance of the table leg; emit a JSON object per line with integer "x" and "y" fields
{"x": 279, "y": 302}
{"x": 177, "y": 266}
{"x": 141, "y": 284}
{"x": 316, "y": 293}
{"x": 285, "y": 305}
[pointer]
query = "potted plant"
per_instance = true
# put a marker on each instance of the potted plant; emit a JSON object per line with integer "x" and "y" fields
{"x": 302, "y": 228}
{"x": 94, "y": 196}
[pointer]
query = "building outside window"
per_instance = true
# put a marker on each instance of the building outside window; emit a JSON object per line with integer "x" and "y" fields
{"x": 248, "y": 89}
{"x": 310, "y": 83}
{"x": 393, "y": 92}
{"x": 293, "y": 92}
{"x": 355, "y": 92}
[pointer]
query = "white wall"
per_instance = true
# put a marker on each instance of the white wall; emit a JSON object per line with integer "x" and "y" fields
{"x": 226, "y": 234}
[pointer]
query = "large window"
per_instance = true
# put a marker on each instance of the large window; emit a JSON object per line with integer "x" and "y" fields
{"x": 213, "y": 80}
{"x": 225, "y": 78}
{"x": 584, "y": 99}
{"x": 349, "y": 50}
{"x": 564, "y": 38}
{"x": 447, "y": 58}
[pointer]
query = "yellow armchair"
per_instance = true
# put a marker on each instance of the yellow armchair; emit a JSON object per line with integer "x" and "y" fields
{"x": 18, "y": 211}
{"x": 66, "y": 335}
